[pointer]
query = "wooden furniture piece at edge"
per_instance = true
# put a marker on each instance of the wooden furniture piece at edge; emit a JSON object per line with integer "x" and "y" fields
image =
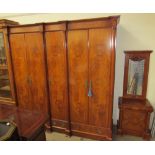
{"x": 4, "y": 30}
{"x": 135, "y": 109}
{"x": 30, "y": 124}
{"x": 134, "y": 117}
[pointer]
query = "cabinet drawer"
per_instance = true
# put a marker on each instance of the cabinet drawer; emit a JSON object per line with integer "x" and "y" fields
{"x": 133, "y": 120}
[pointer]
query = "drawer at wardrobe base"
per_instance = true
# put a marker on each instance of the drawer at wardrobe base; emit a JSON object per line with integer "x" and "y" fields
{"x": 82, "y": 130}
{"x": 92, "y": 132}
{"x": 60, "y": 126}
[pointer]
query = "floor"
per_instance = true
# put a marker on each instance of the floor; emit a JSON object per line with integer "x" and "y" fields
{"x": 54, "y": 136}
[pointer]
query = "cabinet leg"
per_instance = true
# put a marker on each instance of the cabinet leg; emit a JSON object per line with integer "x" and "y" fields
{"x": 147, "y": 136}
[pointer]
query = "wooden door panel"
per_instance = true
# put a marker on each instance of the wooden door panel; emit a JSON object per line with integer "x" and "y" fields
{"x": 57, "y": 72}
{"x": 36, "y": 64}
{"x": 78, "y": 75}
{"x": 99, "y": 74}
{"x": 19, "y": 60}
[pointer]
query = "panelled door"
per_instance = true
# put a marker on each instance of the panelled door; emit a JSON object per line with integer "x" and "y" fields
{"x": 99, "y": 75}
{"x": 89, "y": 56}
{"x": 29, "y": 69}
{"x": 57, "y": 72}
{"x": 37, "y": 74}
{"x": 78, "y": 75}
{"x": 20, "y": 67}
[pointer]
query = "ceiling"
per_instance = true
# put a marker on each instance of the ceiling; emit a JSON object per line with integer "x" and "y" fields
{"x": 8, "y": 15}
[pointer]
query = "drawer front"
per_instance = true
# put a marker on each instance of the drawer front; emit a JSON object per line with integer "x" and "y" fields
{"x": 103, "y": 133}
{"x": 133, "y": 120}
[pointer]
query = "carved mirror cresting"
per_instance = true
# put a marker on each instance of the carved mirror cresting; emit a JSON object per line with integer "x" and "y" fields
{"x": 136, "y": 74}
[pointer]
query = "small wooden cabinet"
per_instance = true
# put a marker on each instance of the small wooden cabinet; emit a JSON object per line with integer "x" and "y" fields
{"x": 135, "y": 109}
{"x": 134, "y": 117}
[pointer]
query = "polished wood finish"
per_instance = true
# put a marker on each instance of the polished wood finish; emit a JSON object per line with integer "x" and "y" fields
{"x": 30, "y": 124}
{"x": 91, "y": 57}
{"x": 135, "y": 110}
{"x": 31, "y": 28}
{"x": 20, "y": 68}
{"x": 36, "y": 68}
{"x": 58, "y": 26}
{"x": 99, "y": 75}
{"x": 134, "y": 117}
{"x": 57, "y": 76}
{"x": 78, "y": 73}
{"x": 136, "y": 55}
{"x": 67, "y": 57}
{"x": 94, "y": 23}
{"x": 29, "y": 68}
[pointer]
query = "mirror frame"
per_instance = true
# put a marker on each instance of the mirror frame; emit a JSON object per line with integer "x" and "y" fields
{"x": 136, "y": 55}
{"x": 11, "y": 100}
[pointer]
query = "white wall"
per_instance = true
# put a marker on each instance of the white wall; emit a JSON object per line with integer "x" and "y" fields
{"x": 135, "y": 32}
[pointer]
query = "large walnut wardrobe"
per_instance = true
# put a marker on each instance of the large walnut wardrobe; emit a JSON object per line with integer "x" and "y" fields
{"x": 66, "y": 69}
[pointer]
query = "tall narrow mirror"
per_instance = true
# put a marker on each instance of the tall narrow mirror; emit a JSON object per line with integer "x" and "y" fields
{"x": 136, "y": 74}
{"x": 135, "y": 77}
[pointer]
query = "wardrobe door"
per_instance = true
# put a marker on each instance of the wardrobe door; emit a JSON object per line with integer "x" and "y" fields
{"x": 57, "y": 72}
{"x": 100, "y": 76}
{"x": 19, "y": 61}
{"x": 78, "y": 75}
{"x": 37, "y": 74}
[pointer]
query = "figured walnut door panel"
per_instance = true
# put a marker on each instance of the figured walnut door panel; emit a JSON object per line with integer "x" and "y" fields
{"x": 78, "y": 74}
{"x": 99, "y": 75}
{"x": 56, "y": 60}
{"x": 36, "y": 65}
{"x": 19, "y": 60}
